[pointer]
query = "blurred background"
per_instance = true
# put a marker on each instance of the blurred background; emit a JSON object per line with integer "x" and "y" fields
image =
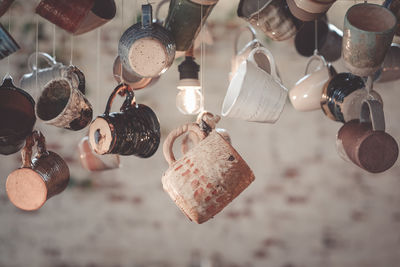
{"x": 306, "y": 208}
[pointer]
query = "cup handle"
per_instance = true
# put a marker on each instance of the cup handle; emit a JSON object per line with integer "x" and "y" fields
{"x": 372, "y": 111}
{"x": 314, "y": 58}
{"x": 268, "y": 54}
{"x": 169, "y": 141}
{"x": 122, "y": 89}
{"x": 32, "y": 60}
{"x": 239, "y": 33}
{"x": 79, "y": 74}
{"x": 158, "y": 7}
{"x": 147, "y": 16}
{"x": 26, "y": 153}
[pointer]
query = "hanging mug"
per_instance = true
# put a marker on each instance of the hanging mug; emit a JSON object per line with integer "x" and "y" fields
{"x": 308, "y": 10}
{"x": 47, "y": 175}
{"x": 4, "y": 6}
{"x": 7, "y": 45}
{"x": 271, "y": 16}
{"x": 146, "y": 49}
{"x": 102, "y": 12}
{"x": 134, "y": 130}
{"x": 254, "y": 94}
{"x": 365, "y": 141}
{"x": 207, "y": 178}
{"x": 62, "y": 102}
{"x": 17, "y": 116}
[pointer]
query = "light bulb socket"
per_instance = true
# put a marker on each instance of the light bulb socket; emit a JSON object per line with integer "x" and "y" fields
{"x": 189, "y": 69}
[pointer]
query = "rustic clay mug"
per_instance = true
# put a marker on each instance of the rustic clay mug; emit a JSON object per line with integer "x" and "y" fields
{"x": 102, "y": 12}
{"x": 308, "y": 10}
{"x": 47, "y": 175}
{"x": 17, "y": 116}
{"x": 146, "y": 49}
{"x": 343, "y": 95}
{"x": 135, "y": 130}
{"x": 367, "y": 35}
{"x": 94, "y": 162}
{"x": 254, "y": 94}
{"x": 185, "y": 18}
{"x": 270, "y": 16}
{"x": 207, "y": 178}
{"x": 7, "y": 45}
{"x": 365, "y": 141}
{"x": 4, "y": 6}
{"x": 62, "y": 102}
{"x": 391, "y": 65}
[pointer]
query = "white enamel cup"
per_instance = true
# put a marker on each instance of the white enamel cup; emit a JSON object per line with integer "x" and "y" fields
{"x": 254, "y": 94}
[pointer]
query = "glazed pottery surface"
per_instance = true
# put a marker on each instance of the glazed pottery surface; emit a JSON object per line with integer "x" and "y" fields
{"x": 101, "y": 12}
{"x": 7, "y": 45}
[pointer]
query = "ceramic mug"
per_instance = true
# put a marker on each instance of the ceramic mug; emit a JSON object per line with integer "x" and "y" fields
{"x": 47, "y": 175}
{"x": 306, "y": 94}
{"x": 146, "y": 49}
{"x": 272, "y": 17}
{"x": 253, "y": 94}
{"x": 7, "y": 45}
{"x": 94, "y": 162}
{"x": 135, "y": 130}
{"x": 102, "y": 12}
{"x": 394, "y": 6}
{"x": 343, "y": 95}
{"x": 391, "y": 65}
{"x": 365, "y": 141}
{"x": 367, "y": 35}
{"x": 62, "y": 102}
{"x": 185, "y": 18}
{"x": 308, "y": 10}
{"x": 207, "y": 178}
{"x": 17, "y": 116}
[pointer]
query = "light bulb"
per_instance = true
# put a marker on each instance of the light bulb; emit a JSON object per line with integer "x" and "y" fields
{"x": 189, "y": 100}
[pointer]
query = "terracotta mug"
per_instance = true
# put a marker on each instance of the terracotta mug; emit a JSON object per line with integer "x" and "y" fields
{"x": 254, "y": 94}
{"x": 207, "y": 178}
{"x": 391, "y": 65}
{"x": 308, "y": 10}
{"x": 4, "y": 6}
{"x": 368, "y": 33}
{"x": 94, "y": 162}
{"x": 146, "y": 49}
{"x": 7, "y": 45}
{"x": 185, "y": 18}
{"x": 272, "y": 17}
{"x": 40, "y": 178}
{"x": 365, "y": 141}
{"x": 62, "y": 102}
{"x": 102, "y": 12}
{"x": 343, "y": 95}
{"x": 135, "y": 130}
{"x": 17, "y": 116}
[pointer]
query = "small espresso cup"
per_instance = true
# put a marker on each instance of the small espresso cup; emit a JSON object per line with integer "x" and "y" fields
{"x": 270, "y": 16}
{"x": 308, "y": 10}
{"x": 17, "y": 117}
{"x": 134, "y": 130}
{"x": 254, "y": 94}
{"x": 343, "y": 95}
{"x": 30, "y": 186}
{"x": 62, "y": 102}
{"x": 367, "y": 35}
{"x": 306, "y": 94}
{"x": 146, "y": 49}
{"x": 365, "y": 141}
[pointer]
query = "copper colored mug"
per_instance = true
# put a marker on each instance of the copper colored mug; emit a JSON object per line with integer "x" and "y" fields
{"x": 207, "y": 178}
{"x": 30, "y": 186}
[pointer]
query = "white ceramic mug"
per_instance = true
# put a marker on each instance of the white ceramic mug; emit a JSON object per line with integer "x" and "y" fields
{"x": 253, "y": 94}
{"x": 306, "y": 94}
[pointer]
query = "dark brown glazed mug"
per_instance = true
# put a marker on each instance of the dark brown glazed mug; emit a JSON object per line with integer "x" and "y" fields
{"x": 30, "y": 186}
{"x": 102, "y": 12}
{"x": 135, "y": 130}
{"x": 365, "y": 141}
{"x": 17, "y": 117}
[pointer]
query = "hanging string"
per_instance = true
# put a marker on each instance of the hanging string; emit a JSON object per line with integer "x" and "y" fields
{"x": 122, "y": 28}
{"x": 258, "y": 12}
{"x": 72, "y": 49}
{"x": 37, "y": 49}
{"x": 202, "y": 59}
{"x": 54, "y": 41}
{"x": 9, "y": 30}
{"x": 316, "y": 36}
{"x": 98, "y": 69}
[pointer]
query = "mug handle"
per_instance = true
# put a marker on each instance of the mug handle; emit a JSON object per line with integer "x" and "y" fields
{"x": 268, "y": 54}
{"x": 316, "y": 57}
{"x": 372, "y": 111}
{"x": 79, "y": 74}
{"x": 239, "y": 33}
{"x": 158, "y": 7}
{"x": 32, "y": 60}
{"x": 122, "y": 89}
{"x": 26, "y": 153}
{"x": 147, "y": 16}
{"x": 169, "y": 141}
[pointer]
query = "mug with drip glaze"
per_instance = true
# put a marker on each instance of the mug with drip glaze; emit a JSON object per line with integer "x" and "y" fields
{"x": 270, "y": 16}
{"x": 208, "y": 177}
{"x": 146, "y": 49}
{"x": 62, "y": 102}
{"x": 17, "y": 116}
{"x": 40, "y": 178}
{"x": 135, "y": 130}
{"x": 367, "y": 35}
{"x": 185, "y": 18}
{"x": 7, "y": 45}
{"x": 343, "y": 95}
{"x": 308, "y": 10}
{"x": 365, "y": 142}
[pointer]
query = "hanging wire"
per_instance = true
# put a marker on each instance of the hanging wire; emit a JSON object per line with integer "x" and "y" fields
{"x": 258, "y": 12}
{"x": 202, "y": 51}
{"x": 72, "y": 49}
{"x": 98, "y": 69}
{"x": 9, "y": 30}
{"x": 37, "y": 49}
{"x": 122, "y": 28}
{"x": 315, "y": 37}
{"x": 54, "y": 41}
